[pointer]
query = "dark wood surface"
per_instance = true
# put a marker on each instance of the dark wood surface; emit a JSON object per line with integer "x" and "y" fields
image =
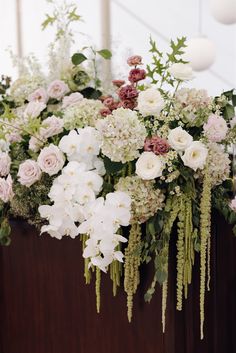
{"x": 45, "y": 306}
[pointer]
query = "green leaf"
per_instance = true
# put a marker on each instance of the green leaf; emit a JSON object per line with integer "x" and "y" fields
{"x": 112, "y": 167}
{"x": 48, "y": 21}
{"x": 91, "y": 93}
{"x": 228, "y": 112}
{"x": 78, "y": 58}
{"x": 105, "y": 53}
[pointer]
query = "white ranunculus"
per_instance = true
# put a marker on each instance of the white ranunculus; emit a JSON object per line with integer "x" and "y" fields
{"x": 195, "y": 155}
{"x": 149, "y": 166}
{"x": 181, "y": 71}
{"x": 179, "y": 139}
{"x": 51, "y": 159}
{"x": 29, "y": 172}
{"x": 150, "y": 102}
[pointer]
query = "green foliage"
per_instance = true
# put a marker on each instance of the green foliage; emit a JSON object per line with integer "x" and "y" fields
{"x": 91, "y": 93}
{"x": 105, "y": 54}
{"x": 62, "y": 17}
{"x": 221, "y": 198}
{"x": 5, "y": 231}
{"x": 78, "y": 58}
{"x": 158, "y": 70}
{"x": 112, "y": 167}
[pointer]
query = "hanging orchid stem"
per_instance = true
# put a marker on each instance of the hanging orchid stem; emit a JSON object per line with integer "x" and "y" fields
{"x": 20, "y": 129}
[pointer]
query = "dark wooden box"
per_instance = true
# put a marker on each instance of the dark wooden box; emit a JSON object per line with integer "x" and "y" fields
{"x": 46, "y": 307}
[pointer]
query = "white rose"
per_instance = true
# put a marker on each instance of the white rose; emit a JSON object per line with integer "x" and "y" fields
{"x": 29, "y": 172}
{"x": 150, "y": 102}
{"x": 33, "y": 109}
{"x": 5, "y": 162}
{"x": 51, "y": 126}
{"x": 57, "y": 89}
{"x": 195, "y": 155}
{"x": 51, "y": 159}
{"x": 149, "y": 166}
{"x": 179, "y": 139}
{"x": 181, "y": 71}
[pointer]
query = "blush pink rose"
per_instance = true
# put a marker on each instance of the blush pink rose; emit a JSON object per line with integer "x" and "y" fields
{"x": 51, "y": 159}
{"x": 39, "y": 95}
{"x": 134, "y": 60}
{"x": 215, "y": 129}
{"x": 35, "y": 144}
{"x": 57, "y": 89}
{"x": 72, "y": 99}
{"x": 51, "y": 126}
{"x": 34, "y": 109}
{"x": 6, "y": 192}
{"x": 5, "y": 163}
{"x": 29, "y": 172}
{"x": 233, "y": 204}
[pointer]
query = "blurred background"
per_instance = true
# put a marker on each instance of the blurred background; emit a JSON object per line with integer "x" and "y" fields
{"x": 125, "y": 26}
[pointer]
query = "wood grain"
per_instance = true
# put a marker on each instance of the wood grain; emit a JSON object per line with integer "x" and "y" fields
{"x": 45, "y": 306}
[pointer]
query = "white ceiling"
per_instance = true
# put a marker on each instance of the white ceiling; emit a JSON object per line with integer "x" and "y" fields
{"x": 132, "y": 23}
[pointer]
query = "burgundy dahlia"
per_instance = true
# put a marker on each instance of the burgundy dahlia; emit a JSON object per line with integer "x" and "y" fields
{"x": 127, "y": 92}
{"x": 156, "y": 145}
{"x": 128, "y": 104}
{"x": 136, "y": 75}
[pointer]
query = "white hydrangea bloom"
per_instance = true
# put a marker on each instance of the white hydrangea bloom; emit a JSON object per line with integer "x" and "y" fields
{"x": 122, "y": 135}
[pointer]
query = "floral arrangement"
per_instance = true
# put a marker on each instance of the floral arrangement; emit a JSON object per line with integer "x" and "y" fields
{"x": 123, "y": 170}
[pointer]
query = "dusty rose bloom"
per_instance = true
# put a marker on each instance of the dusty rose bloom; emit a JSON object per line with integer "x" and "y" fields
{"x": 128, "y": 104}
{"x": 127, "y": 92}
{"x": 105, "y": 111}
{"x": 156, "y": 145}
{"x": 108, "y": 102}
{"x": 118, "y": 83}
{"x": 136, "y": 75}
{"x": 134, "y": 60}
{"x": 103, "y": 98}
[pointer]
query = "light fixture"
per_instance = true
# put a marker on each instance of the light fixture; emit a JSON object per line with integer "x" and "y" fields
{"x": 224, "y": 11}
{"x": 200, "y": 51}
